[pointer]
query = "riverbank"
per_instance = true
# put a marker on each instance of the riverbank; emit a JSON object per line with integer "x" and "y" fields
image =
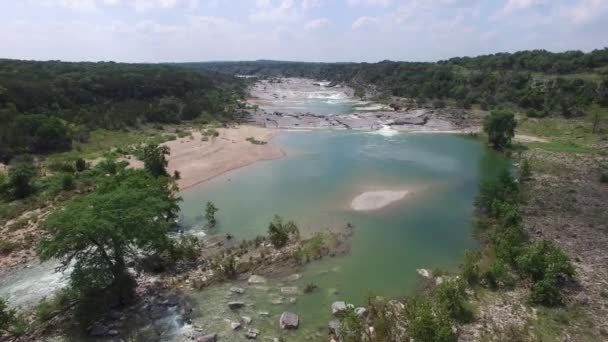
{"x": 199, "y": 158}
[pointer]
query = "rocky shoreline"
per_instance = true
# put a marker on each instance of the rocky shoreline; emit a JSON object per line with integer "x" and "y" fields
{"x": 421, "y": 119}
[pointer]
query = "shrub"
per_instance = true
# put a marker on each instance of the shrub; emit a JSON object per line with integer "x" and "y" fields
{"x": 427, "y": 325}
{"x": 11, "y": 322}
{"x": 20, "y": 178}
{"x": 310, "y": 287}
{"x": 498, "y": 275}
{"x": 451, "y": 298}
{"x": 544, "y": 259}
{"x": 67, "y": 182}
{"x": 526, "y": 171}
{"x": 280, "y": 232}
{"x": 469, "y": 267}
{"x": 80, "y": 165}
{"x": 352, "y": 328}
{"x": 546, "y": 292}
{"x": 7, "y": 247}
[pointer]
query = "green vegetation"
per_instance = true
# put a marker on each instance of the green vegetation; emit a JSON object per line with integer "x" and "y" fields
{"x": 255, "y": 141}
{"x": 20, "y": 177}
{"x": 11, "y": 323}
{"x": 280, "y": 232}
{"x": 210, "y": 211}
{"x": 128, "y": 215}
{"x": 50, "y": 105}
{"x": 154, "y": 159}
{"x": 538, "y": 81}
{"x": 500, "y": 128}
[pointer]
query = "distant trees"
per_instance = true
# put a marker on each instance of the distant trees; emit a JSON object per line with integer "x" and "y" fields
{"x": 44, "y": 105}
{"x": 500, "y": 128}
{"x": 128, "y": 215}
{"x": 154, "y": 159}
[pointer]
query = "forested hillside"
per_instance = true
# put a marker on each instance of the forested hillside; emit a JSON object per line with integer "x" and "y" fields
{"x": 541, "y": 82}
{"x": 45, "y": 105}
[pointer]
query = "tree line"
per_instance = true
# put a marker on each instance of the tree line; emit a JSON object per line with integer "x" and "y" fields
{"x": 44, "y": 106}
{"x": 541, "y": 82}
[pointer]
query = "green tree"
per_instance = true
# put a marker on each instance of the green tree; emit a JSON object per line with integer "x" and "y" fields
{"x": 500, "y": 128}
{"x": 279, "y": 232}
{"x": 80, "y": 165}
{"x": 210, "y": 211}
{"x": 20, "y": 177}
{"x": 11, "y": 323}
{"x": 129, "y": 215}
{"x": 469, "y": 267}
{"x": 426, "y": 324}
{"x": 154, "y": 159}
{"x": 451, "y": 298}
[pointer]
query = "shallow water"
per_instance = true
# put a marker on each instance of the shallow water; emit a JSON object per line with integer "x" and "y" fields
{"x": 315, "y": 184}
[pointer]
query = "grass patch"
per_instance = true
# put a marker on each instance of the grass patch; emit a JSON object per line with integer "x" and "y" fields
{"x": 565, "y": 135}
{"x": 550, "y": 322}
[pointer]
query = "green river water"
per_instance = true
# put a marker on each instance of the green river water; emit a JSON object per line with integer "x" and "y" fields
{"x": 314, "y": 185}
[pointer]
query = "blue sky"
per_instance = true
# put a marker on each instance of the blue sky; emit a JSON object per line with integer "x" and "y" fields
{"x": 306, "y": 30}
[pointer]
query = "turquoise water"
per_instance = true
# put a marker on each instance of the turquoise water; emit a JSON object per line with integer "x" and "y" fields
{"x": 314, "y": 185}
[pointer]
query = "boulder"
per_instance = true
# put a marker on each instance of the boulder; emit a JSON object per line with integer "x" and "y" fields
{"x": 334, "y": 327}
{"x": 98, "y": 329}
{"x": 256, "y": 279}
{"x": 289, "y": 290}
{"x": 235, "y": 325}
{"x": 294, "y": 277}
{"x": 425, "y": 273}
{"x": 289, "y": 320}
{"x": 360, "y": 311}
{"x": 338, "y": 308}
{"x": 207, "y": 338}
{"x": 237, "y": 290}
{"x": 252, "y": 334}
{"x": 246, "y": 319}
{"x": 235, "y": 305}
{"x": 264, "y": 313}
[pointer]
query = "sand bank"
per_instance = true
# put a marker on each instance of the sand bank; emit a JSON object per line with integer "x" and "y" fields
{"x": 373, "y": 200}
{"x": 198, "y": 161}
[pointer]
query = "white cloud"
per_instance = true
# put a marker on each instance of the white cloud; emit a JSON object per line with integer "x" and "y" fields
{"x": 316, "y": 24}
{"x": 310, "y": 4}
{"x": 587, "y": 10}
{"x": 370, "y": 2}
{"x": 274, "y": 11}
{"x": 364, "y": 22}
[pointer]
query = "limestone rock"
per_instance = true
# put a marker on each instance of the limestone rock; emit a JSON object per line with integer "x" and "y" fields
{"x": 289, "y": 320}
{"x": 256, "y": 279}
{"x": 235, "y": 305}
{"x": 338, "y": 308}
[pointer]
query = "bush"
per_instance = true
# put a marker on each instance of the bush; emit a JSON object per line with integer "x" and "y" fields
{"x": 20, "y": 177}
{"x": 526, "y": 171}
{"x": 498, "y": 275}
{"x": 67, "y": 182}
{"x": 80, "y": 165}
{"x": 469, "y": 267}
{"x": 546, "y": 292}
{"x": 544, "y": 259}
{"x": 451, "y": 298}
{"x": 545, "y": 264}
{"x": 11, "y": 323}
{"x": 7, "y": 247}
{"x": 427, "y": 325}
{"x": 280, "y": 232}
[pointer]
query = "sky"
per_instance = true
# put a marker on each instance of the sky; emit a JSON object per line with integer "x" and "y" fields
{"x": 299, "y": 30}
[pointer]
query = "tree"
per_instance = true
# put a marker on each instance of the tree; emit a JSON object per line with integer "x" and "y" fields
{"x": 154, "y": 159}
{"x": 280, "y": 232}
{"x": 20, "y": 177}
{"x": 500, "y": 128}
{"x": 80, "y": 165}
{"x": 129, "y": 215}
{"x": 426, "y": 324}
{"x": 11, "y": 323}
{"x": 469, "y": 267}
{"x": 210, "y": 211}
